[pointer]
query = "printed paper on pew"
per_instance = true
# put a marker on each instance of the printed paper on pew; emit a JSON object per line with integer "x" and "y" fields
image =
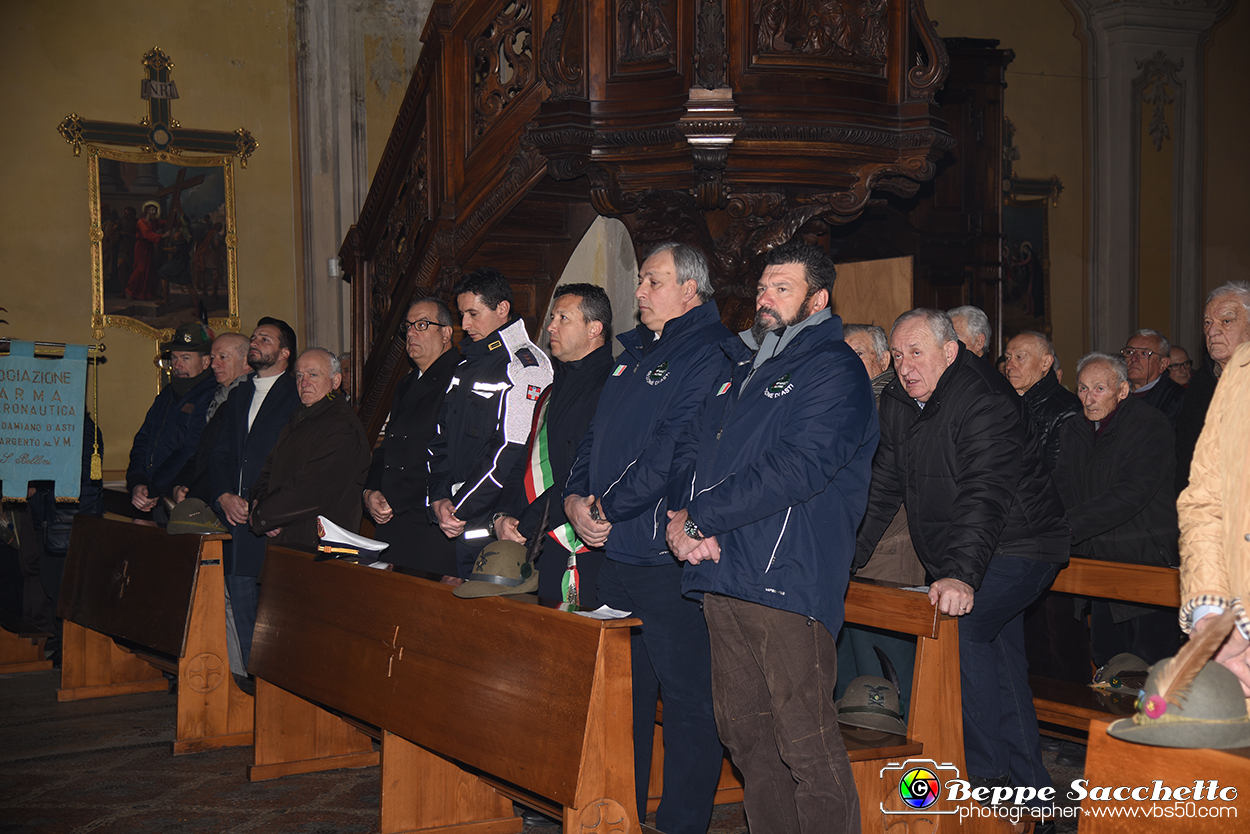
{"x": 603, "y": 612}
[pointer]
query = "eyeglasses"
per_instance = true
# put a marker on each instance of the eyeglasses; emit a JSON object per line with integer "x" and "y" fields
{"x": 1188, "y": 363}
{"x": 1129, "y": 353}
{"x": 421, "y": 325}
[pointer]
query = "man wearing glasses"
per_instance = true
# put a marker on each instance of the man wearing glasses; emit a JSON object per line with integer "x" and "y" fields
{"x": 1181, "y": 369}
{"x": 1147, "y": 356}
{"x": 395, "y": 489}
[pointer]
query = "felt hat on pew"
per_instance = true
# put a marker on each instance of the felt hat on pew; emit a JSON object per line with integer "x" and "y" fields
{"x": 1190, "y": 700}
{"x": 1126, "y": 672}
{"x": 872, "y": 703}
{"x": 337, "y": 543}
{"x": 193, "y": 516}
{"x": 501, "y": 568}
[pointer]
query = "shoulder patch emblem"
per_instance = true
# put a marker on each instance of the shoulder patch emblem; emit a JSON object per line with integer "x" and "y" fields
{"x": 618, "y": 370}
{"x": 658, "y": 374}
{"x": 780, "y": 387}
{"x": 533, "y": 392}
{"x": 526, "y": 357}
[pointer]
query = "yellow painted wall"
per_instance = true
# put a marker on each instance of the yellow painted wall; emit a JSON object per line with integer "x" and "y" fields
{"x": 232, "y": 67}
{"x": 1045, "y": 101}
{"x": 1227, "y": 163}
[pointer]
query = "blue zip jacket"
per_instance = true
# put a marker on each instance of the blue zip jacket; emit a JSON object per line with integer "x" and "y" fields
{"x": 778, "y": 470}
{"x": 652, "y": 391}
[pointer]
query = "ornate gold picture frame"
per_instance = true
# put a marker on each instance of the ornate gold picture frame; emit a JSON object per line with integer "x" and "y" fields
{"x": 163, "y": 241}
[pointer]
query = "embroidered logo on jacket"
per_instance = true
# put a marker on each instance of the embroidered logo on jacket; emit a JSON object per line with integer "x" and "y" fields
{"x": 658, "y": 374}
{"x": 533, "y": 392}
{"x": 724, "y": 388}
{"x": 620, "y": 369}
{"x": 526, "y": 357}
{"x": 780, "y": 387}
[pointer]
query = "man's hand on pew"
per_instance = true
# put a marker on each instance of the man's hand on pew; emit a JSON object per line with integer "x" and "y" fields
{"x": 379, "y": 510}
{"x": 587, "y": 519}
{"x": 139, "y": 497}
{"x": 951, "y": 596}
{"x": 180, "y": 494}
{"x": 234, "y": 507}
{"x": 445, "y": 512}
{"x": 1234, "y": 655}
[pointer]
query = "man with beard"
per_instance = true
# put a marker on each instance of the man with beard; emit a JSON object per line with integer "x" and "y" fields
{"x": 395, "y": 490}
{"x": 772, "y": 478}
{"x": 173, "y": 425}
{"x": 616, "y": 497}
{"x": 253, "y": 415}
{"x": 581, "y": 320}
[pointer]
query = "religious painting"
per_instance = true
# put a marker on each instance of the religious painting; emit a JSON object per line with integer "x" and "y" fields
{"x": 1026, "y": 268}
{"x": 163, "y": 241}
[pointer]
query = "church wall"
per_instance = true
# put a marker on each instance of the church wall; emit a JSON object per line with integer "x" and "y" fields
{"x": 232, "y": 67}
{"x": 1227, "y": 165}
{"x": 1045, "y": 101}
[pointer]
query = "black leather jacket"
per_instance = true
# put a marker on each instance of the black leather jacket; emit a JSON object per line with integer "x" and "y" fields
{"x": 1050, "y": 405}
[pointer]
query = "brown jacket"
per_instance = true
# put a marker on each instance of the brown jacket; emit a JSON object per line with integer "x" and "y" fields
{"x": 317, "y": 467}
{"x": 1214, "y": 510}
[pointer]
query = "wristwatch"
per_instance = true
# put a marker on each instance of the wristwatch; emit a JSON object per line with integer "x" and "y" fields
{"x": 495, "y": 520}
{"x": 692, "y": 529}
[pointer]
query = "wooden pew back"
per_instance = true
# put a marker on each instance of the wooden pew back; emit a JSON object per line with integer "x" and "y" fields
{"x": 526, "y": 694}
{"x": 130, "y": 581}
{"x": 1074, "y": 705}
{"x": 163, "y": 596}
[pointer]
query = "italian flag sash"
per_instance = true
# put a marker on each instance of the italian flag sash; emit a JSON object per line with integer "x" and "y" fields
{"x": 538, "y": 479}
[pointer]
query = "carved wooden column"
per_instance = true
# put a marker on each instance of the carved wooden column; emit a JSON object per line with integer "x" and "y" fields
{"x": 1146, "y": 89}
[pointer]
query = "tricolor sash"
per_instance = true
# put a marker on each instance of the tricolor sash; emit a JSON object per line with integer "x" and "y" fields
{"x": 538, "y": 479}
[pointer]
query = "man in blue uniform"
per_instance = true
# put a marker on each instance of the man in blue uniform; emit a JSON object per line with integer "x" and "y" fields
{"x": 772, "y": 480}
{"x": 616, "y": 498}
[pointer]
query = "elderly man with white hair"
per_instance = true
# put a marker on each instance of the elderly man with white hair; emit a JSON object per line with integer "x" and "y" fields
{"x": 319, "y": 463}
{"x": 972, "y": 327}
{"x": 959, "y": 450}
{"x": 1226, "y": 326}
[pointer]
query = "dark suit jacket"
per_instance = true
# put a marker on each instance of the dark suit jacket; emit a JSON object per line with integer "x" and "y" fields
{"x": 317, "y": 467}
{"x": 400, "y": 471}
{"x": 239, "y": 457}
{"x": 1166, "y": 396}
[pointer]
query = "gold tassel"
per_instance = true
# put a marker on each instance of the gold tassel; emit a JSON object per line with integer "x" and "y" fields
{"x": 97, "y": 461}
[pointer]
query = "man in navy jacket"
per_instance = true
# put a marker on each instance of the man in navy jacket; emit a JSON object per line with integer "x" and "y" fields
{"x": 772, "y": 480}
{"x": 254, "y": 415}
{"x": 620, "y": 475}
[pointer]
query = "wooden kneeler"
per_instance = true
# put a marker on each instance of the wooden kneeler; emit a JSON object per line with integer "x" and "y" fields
{"x": 163, "y": 598}
{"x": 21, "y": 646}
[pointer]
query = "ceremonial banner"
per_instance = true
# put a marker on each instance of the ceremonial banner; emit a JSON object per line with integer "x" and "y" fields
{"x": 41, "y": 419}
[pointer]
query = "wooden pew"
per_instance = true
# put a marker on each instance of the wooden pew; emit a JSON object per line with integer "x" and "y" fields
{"x": 1112, "y": 762}
{"x": 137, "y": 602}
{"x": 934, "y": 726}
{"x": 1071, "y": 705}
{"x": 476, "y": 702}
{"x": 21, "y": 645}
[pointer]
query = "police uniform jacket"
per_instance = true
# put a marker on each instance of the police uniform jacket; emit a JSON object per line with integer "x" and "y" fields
{"x": 485, "y": 421}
